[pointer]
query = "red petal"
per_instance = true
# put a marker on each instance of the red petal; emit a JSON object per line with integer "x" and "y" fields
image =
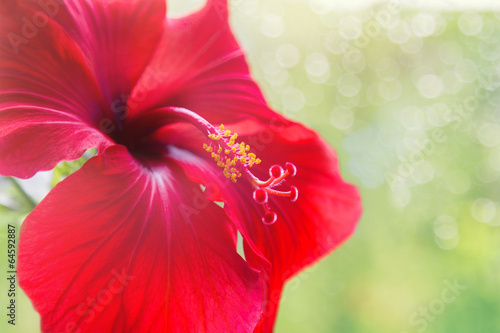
{"x": 200, "y": 67}
{"x": 49, "y": 99}
{"x": 118, "y": 38}
{"x": 324, "y": 215}
{"x": 34, "y": 139}
{"x": 116, "y": 247}
{"x": 41, "y": 65}
{"x": 58, "y": 60}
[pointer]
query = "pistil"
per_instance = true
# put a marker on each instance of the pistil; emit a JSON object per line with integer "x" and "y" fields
{"x": 236, "y": 160}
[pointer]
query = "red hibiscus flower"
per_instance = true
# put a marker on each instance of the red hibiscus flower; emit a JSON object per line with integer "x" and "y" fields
{"x": 134, "y": 241}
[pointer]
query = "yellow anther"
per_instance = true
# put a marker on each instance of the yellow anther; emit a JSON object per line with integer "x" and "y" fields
{"x": 230, "y": 155}
{"x": 233, "y": 177}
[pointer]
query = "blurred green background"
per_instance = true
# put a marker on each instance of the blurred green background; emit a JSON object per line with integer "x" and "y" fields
{"x": 409, "y": 97}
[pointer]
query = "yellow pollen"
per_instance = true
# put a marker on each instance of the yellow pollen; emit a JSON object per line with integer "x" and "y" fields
{"x": 230, "y": 155}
